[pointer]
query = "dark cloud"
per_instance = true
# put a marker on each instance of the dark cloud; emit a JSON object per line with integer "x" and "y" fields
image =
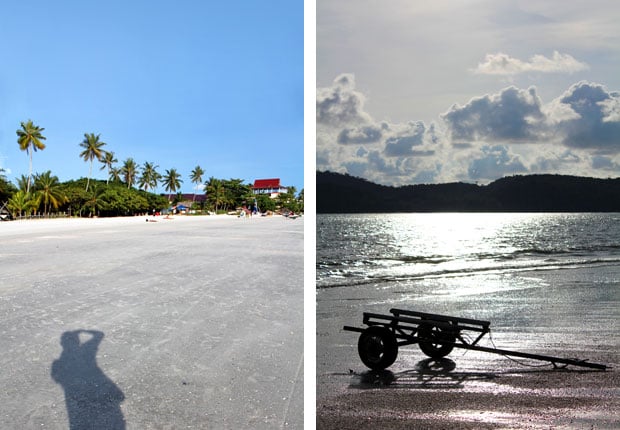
{"x": 595, "y": 124}
{"x": 496, "y": 163}
{"x": 403, "y": 143}
{"x": 413, "y": 140}
{"x": 367, "y": 134}
{"x": 550, "y": 163}
{"x": 340, "y": 103}
{"x": 601, "y": 162}
{"x": 510, "y": 116}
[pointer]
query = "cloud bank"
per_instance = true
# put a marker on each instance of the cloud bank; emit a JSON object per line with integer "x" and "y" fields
{"x": 509, "y": 132}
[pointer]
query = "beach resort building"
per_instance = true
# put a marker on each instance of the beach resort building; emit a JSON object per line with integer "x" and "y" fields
{"x": 269, "y": 186}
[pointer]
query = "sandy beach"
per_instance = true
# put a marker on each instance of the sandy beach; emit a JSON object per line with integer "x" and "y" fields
{"x": 190, "y": 322}
{"x": 554, "y": 312}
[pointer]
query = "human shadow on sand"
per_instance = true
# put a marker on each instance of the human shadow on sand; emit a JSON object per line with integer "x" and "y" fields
{"x": 92, "y": 399}
{"x": 428, "y": 374}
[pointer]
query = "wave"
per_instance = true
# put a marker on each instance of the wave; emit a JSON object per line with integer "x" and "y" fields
{"x": 353, "y": 279}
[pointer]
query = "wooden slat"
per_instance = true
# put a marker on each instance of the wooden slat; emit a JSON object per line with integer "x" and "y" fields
{"x": 437, "y": 317}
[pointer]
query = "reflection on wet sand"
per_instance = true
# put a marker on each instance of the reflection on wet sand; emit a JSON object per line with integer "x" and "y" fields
{"x": 428, "y": 374}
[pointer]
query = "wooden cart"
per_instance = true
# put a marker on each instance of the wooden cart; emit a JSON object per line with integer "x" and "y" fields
{"x": 436, "y": 335}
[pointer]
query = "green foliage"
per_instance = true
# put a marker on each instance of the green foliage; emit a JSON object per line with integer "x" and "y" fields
{"x": 288, "y": 201}
{"x": 113, "y": 199}
{"x": 149, "y": 177}
{"x": 172, "y": 181}
{"x": 129, "y": 171}
{"x": 265, "y": 203}
{"x": 228, "y": 194}
{"x": 92, "y": 149}
{"x": 7, "y": 189}
{"x": 47, "y": 187}
{"x": 29, "y": 139}
{"x": 23, "y": 203}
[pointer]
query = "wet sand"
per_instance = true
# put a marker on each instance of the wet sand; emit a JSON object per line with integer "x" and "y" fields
{"x": 572, "y": 313}
{"x": 193, "y": 322}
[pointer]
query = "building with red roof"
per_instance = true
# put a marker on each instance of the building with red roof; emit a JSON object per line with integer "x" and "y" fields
{"x": 268, "y": 186}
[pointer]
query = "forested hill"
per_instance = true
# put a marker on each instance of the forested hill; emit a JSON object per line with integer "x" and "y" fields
{"x": 337, "y": 193}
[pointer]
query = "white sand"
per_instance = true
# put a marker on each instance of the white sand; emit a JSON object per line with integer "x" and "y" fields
{"x": 201, "y": 317}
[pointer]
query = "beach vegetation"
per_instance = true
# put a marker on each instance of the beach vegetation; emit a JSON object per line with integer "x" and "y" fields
{"x": 290, "y": 201}
{"x": 92, "y": 149}
{"x": 171, "y": 181}
{"x": 22, "y": 183}
{"x": 149, "y": 177}
{"x": 7, "y": 189}
{"x": 44, "y": 195}
{"x": 215, "y": 193}
{"x": 196, "y": 178}
{"x": 47, "y": 187}
{"x": 108, "y": 160}
{"x": 30, "y": 139}
{"x": 115, "y": 174}
{"x": 265, "y": 203}
{"x": 129, "y": 172}
{"x": 23, "y": 203}
{"x": 109, "y": 199}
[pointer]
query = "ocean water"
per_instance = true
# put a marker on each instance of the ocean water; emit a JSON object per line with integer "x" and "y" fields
{"x": 356, "y": 250}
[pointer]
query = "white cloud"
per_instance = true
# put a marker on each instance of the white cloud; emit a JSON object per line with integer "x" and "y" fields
{"x": 340, "y": 102}
{"x": 494, "y": 135}
{"x": 503, "y": 64}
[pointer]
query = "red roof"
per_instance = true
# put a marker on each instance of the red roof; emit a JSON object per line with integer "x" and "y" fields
{"x": 267, "y": 183}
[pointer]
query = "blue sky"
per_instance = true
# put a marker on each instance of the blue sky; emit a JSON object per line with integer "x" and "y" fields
{"x": 178, "y": 84}
{"x": 433, "y": 92}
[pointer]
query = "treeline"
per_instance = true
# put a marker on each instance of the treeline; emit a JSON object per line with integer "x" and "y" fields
{"x": 43, "y": 194}
{"x": 47, "y": 196}
{"x": 337, "y": 193}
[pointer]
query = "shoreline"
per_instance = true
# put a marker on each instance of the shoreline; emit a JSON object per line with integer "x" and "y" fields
{"x": 562, "y": 313}
{"x": 58, "y": 224}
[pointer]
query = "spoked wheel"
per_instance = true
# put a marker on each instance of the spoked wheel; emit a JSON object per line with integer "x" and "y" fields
{"x": 433, "y": 340}
{"x": 377, "y": 347}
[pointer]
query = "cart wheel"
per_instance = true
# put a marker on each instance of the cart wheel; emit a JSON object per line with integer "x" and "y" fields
{"x": 377, "y": 347}
{"x": 434, "y": 336}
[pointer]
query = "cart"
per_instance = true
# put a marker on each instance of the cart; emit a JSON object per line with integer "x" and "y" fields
{"x": 436, "y": 335}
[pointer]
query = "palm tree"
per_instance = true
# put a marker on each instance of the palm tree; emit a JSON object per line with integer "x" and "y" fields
{"x": 108, "y": 161}
{"x": 30, "y": 139}
{"x": 196, "y": 177}
{"x": 129, "y": 171}
{"x": 95, "y": 200}
{"x": 22, "y": 202}
{"x": 172, "y": 181}
{"x": 92, "y": 149}
{"x": 46, "y": 187}
{"x": 216, "y": 193}
{"x": 22, "y": 183}
{"x": 150, "y": 177}
{"x": 116, "y": 174}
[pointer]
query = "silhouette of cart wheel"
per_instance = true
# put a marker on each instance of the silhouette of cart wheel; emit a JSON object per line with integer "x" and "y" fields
{"x": 377, "y": 347}
{"x": 433, "y": 340}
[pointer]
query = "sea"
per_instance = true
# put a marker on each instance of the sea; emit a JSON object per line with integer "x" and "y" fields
{"x": 362, "y": 249}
